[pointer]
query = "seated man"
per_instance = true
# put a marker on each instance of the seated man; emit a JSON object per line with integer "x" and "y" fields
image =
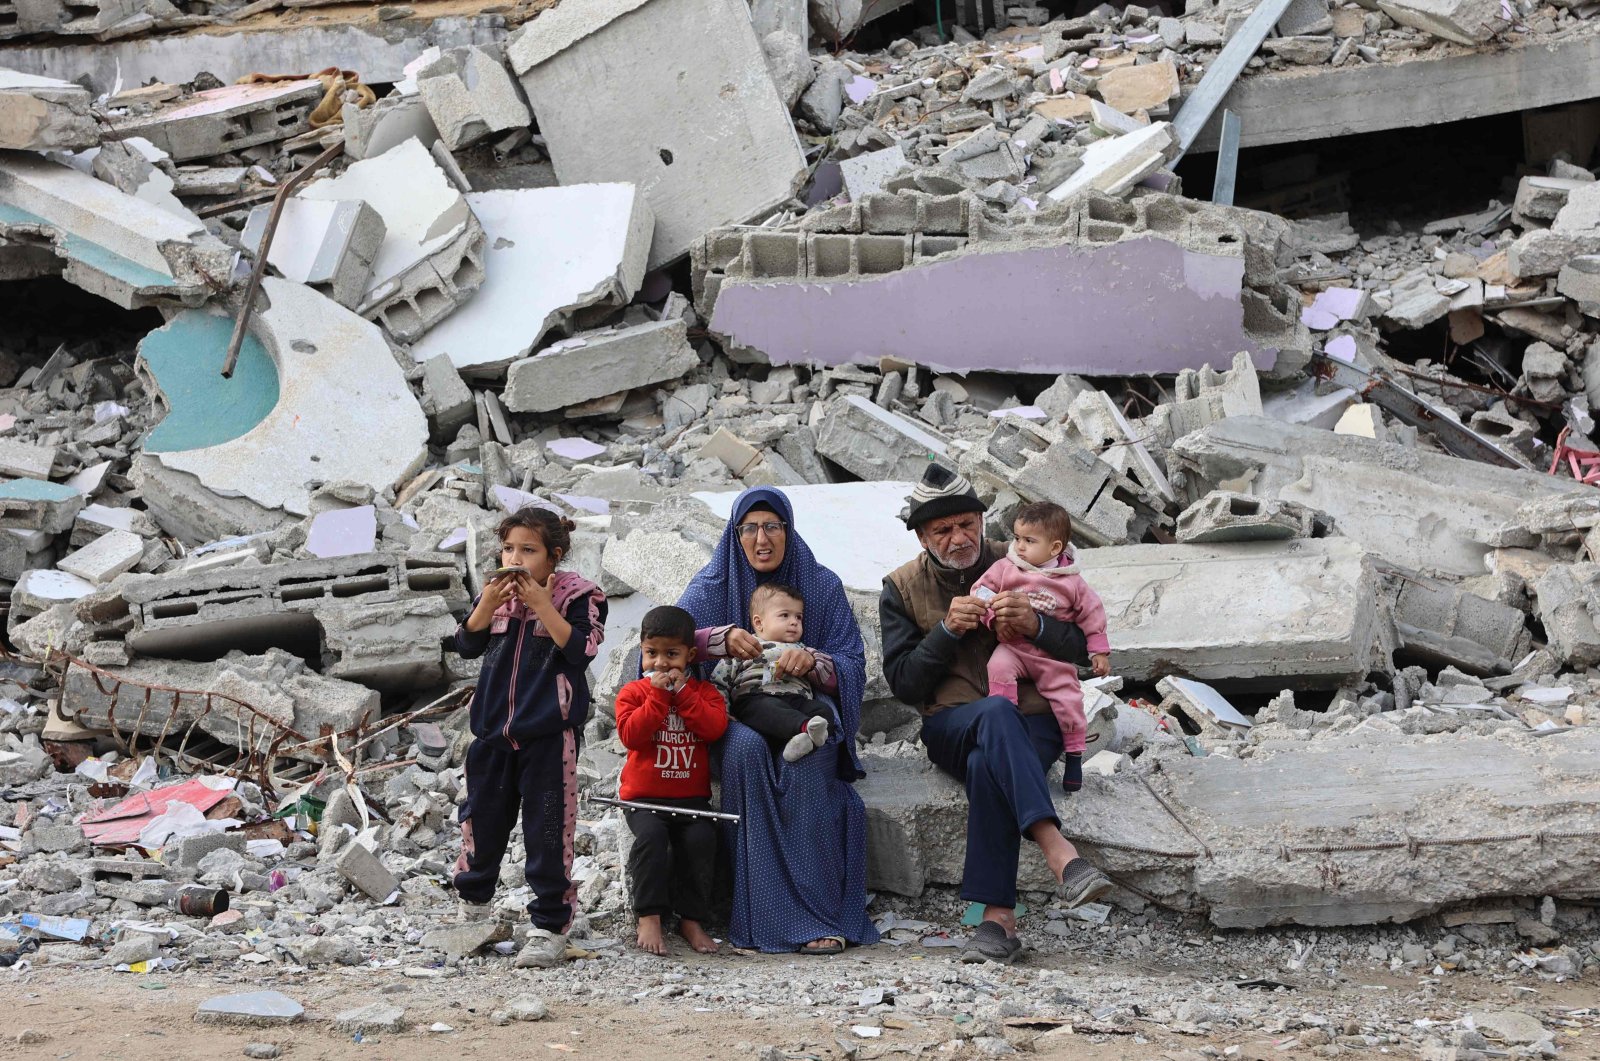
{"x": 936, "y": 650}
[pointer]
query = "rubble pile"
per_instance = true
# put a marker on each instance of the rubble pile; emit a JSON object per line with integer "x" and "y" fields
{"x": 1351, "y": 592}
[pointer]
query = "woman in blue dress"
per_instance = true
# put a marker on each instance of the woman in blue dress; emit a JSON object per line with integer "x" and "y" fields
{"x": 799, "y": 851}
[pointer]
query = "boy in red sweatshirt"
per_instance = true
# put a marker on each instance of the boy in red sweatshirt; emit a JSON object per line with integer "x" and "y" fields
{"x": 665, "y": 720}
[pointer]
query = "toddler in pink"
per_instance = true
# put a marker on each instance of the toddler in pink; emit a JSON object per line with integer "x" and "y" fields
{"x": 1041, "y": 565}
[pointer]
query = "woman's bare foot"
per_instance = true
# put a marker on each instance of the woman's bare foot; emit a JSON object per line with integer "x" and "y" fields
{"x": 650, "y": 935}
{"x": 697, "y": 937}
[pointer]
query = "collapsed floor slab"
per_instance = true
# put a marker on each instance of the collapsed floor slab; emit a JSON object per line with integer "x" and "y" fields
{"x": 672, "y": 95}
{"x": 1245, "y": 615}
{"x": 912, "y": 277}
{"x": 1422, "y": 510}
{"x": 549, "y": 253}
{"x": 319, "y": 399}
{"x": 282, "y": 690}
{"x": 109, "y": 243}
{"x": 278, "y": 41}
{"x": 1293, "y": 834}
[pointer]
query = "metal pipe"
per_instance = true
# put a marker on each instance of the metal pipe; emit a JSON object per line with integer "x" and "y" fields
{"x": 662, "y": 809}
{"x": 242, "y": 325}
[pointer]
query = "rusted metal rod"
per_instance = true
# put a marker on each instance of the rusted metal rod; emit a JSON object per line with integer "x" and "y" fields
{"x": 242, "y": 325}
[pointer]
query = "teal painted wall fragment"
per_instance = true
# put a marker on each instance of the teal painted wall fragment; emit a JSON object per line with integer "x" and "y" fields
{"x": 185, "y": 357}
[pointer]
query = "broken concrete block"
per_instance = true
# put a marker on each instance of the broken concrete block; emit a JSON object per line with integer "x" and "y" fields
{"x": 1259, "y": 615}
{"x": 1422, "y": 510}
{"x": 1579, "y": 280}
{"x": 672, "y": 95}
{"x": 1462, "y": 21}
{"x": 1305, "y": 18}
{"x": 1443, "y": 625}
{"x": 388, "y": 123}
{"x": 1542, "y": 252}
{"x": 1415, "y": 302}
{"x": 1038, "y": 465}
{"x": 877, "y": 444}
{"x": 550, "y": 252}
{"x": 1579, "y": 219}
{"x": 277, "y": 685}
{"x": 1114, "y": 165}
{"x": 470, "y": 95}
{"x": 1201, "y": 704}
{"x": 1543, "y": 197}
{"x": 225, "y": 119}
{"x": 866, "y": 174}
{"x": 431, "y": 258}
{"x": 1224, "y": 516}
{"x": 193, "y": 615}
{"x": 110, "y": 244}
{"x": 34, "y": 504}
{"x": 1139, "y": 88}
{"x": 447, "y": 394}
{"x": 1567, "y": 605}
{"x": 460, "y": 941}
{"x": 317, "y": 397}
{"x": 43, "y": 114}
{"x": 389, "y": 646}
{"x": 105, "y": 558}
{"x": 592, "y": 365}
{"x": 361, "y": 867}
{"x": 330, "y": 246}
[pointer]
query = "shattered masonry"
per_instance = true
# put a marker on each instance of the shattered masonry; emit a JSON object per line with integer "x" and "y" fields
{"x": 1329, "y": 453}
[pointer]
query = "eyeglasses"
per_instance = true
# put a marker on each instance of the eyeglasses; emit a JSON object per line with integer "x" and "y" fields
{"x": 749, "y": 530}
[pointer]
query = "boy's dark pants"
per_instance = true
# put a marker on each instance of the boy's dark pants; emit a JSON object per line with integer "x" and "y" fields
{"x": 672, "y": 861}
{"x": 777, "y": 718}
{"x": 540, "y": 777}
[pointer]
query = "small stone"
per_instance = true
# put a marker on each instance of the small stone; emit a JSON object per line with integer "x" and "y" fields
{"x": 527, "y": 1008}
{"x": 263, "y": 1051}
{"x": 1537, "y": 932}
{"x": 458, "y": 941}
{"x": 132, "y": 950}
{"x": 30, "y": 1036}
{"x": 1509, "y": 1025}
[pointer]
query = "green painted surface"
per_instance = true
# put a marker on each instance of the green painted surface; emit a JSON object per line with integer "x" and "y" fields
{"x": 36, "y": 490}
{"x": 204, "y": 409}
{"x": 92, "y": 255}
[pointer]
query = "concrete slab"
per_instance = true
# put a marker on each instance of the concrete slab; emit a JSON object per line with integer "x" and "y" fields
{"x": 322, "y": 400}
{"x": 672, "y": 95}
{"x": 1447, "y": 84}
{"x": 27, "y": 460}
{"x": 549, "y": 252}
{"x": 866, "y": 174}
{"x": 1114, "y": 165}
{"x": 1422, "y": 510}
{"x": 44, "y": 114}
{"x": 431, "y": 258}
{"x": 261, "y": 1008}
{"x": 111, "y": 244}
{"x": 1266, "y": 820}
{"x": 1259, "y": 615}
{"x": 391, "y": 646}
{"x": 593, "y": 365}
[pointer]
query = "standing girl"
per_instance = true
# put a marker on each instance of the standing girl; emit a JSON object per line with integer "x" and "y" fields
{"x": 537, "y": 629}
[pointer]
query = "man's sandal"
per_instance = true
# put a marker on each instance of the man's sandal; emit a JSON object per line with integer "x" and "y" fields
{"x": 830, "y": 945}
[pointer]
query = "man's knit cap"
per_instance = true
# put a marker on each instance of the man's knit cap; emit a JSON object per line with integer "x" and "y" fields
{"x": 942, "y": 492}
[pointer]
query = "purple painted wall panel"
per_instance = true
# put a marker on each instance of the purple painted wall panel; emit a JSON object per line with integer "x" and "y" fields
{"x": 1139, "y": 306}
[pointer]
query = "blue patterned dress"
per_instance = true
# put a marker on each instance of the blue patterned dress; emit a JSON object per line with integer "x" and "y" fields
{"x": 799, "y": 852}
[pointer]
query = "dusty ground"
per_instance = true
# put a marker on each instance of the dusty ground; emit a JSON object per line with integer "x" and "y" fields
{"x": 95, "y": 1013}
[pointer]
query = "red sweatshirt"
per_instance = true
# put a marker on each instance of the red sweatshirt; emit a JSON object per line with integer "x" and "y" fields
{"x": 666, "y": 736}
